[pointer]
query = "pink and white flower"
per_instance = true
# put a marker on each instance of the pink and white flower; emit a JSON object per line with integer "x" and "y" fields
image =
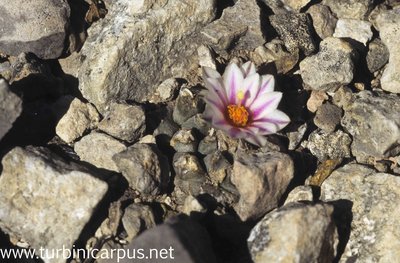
{"x": 242, "y": 103}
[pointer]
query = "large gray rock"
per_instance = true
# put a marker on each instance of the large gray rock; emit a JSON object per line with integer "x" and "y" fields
{"x": 353, "y": 9}
{"x": 295, "y": 233}
{"x": 38, "y": 27}
{"x": 331, "y": 67}
{"x": 10, "y": 108}
{"x": 128, "y": 54}
{"x": 261, "y": 179}
{"x": 46, "y": 201}
{"x": 388, "y": 24}
{"x": 355, "y": 29}
{"x": 374, "y": 198}
{"x": 373, "y": 122}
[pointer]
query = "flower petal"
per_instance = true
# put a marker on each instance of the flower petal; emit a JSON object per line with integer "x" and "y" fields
{"x": 251, "y": 85}
{"x": 248, "y": 68}
{"x": 216, "y": 89}
{"x": 232, "y": 80}
{"x": 277, "y": 118}
{"x": 265, "y": 104}
{"x": 267, "y": 84}
{"x": 210, "y": 73}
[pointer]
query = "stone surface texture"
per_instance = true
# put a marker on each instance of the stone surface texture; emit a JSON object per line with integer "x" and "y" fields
{"x": 10, "y": 108}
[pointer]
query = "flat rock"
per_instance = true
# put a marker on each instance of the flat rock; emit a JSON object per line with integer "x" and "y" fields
{"x": 388, "y": 23}
{"x": 136, "y": 219}
{"x": 261, "y": 179}
{"x": 240, "y": 23}
{"x": 377, "y": 56}
{"x": 372, "y": 120}
{"x": 353, "y": 9}
{"x": 98, "y": 149}
{"x": 295, "y": 233}
{"x": 38, "y": 27}
{"x": 371, "y": 201}
{"x": 324, "y": 21}
{"x": 295, "y": 30}
{"x": 358, "y": 30}
{"x": 295, "y": 5}
{"x": 145, "y": 168}
{"x": 328, "y": 116}
{"x": 10, "y": 108}
{"x": 331, "y": 67}
{"x": 45, "y": 200}
{"x": 123, "y": 121}
{"x": 141, "y": 51}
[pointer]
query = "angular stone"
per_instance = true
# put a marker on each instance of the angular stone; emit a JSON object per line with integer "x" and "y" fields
{"x": 331, "y": 67}
{"x": 295, "y": 5}
{"x": 187, "y": 105}
{"x": 358, "y": 30}
{"x": 165, "y": 91}
{"x": 261, "y": 179}
{"x": 373, "y": 122}
{"x": 217, "y": 166}
{"x": 137, "y": 218}
{"x": 10, "y": 108}
{"x": 78, "y": 118}
{"x": 328, "y": 117}
{"x": 388, "y": 23}
{"x": 141, "y": 51}
{"x": 145, "y": 168}
{"x": 295, "y": 30}
{"x": 38, "y": 27}
{"x": 352, "y": 9}
{"x": 295, "y": 233}
{"x": 45, "y": 200}
{"x": 316, "y": 99}
{"x": 240, "y": 23}
{"x": 324, "y": 21}
{"x": 123, "y": 121}
{"x": 98, "y": 149}
{"x": 299, "y": 194}
{"x": 372, "y": 204}
{"x": 377, "y": 56}
{"x": 184, "y": 141}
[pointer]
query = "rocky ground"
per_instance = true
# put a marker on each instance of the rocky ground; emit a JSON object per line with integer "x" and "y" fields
{"x": 103, "y": 144}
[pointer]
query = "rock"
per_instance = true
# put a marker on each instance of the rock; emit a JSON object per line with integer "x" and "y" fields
{"x": 296, "y": 137}
{"x": 184, "y": 141}
{"x": 186, "y": 105}
{"x": 295, "y": 5}
{"x": 136, "y": 63}
{"x": 324, "y": 146}
{"x": 10, "y": 108}
{"x": 239, "y": 27}
{"x": 316, "y": 99}
{"x": 165, "y": 91}
{"x": 328, "y": 117}
{"x": 373, "y": 122}
{"x": 123, "y": 121}
{"x": 324, "y": 21}
{"x": 352, "y": 9}
{"x": 377, "y": 56}
{"x": 343, "y": 97}
{"x": 295, "y": 31}
{"x": 208, "y": 145}
{"x": 100, "y": 155}
{"x": 198, "y": 123}
{"x": 191, "y": 205}
{"x": 206, "y": 57}
{"x": 299, "y": 194}
{"x": 24, "y": 24}
{"x": 358, "y": 30}
{"x": 295, "y": 233}
{"x": 388, "y": 24}
{"x": 137, "y": 218}
{"x": 145, "y": 168}
{"x": 45, "y": 200}
{"x": 78, "y": 118}
{"x": 372, "y": 200}
{"x": 218, "y": 166}
{"x": 178, "y": 240}
{"x": 277, "y": 6}
{"x": 331, "y": 67}
{"x": 261, "y": 179}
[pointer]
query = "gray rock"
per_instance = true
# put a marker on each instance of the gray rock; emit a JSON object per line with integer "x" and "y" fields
{"x": 191, "y": 205}
{"x": 353, "y": 9}
{"x": 388, "y": 23}
{"x": 331, "y": 67}
{"x": 295, "y": 5}
{"x": 98, "y": 149}
{"x": 184, "y": 141}
{"x": 299, "y": 194}
{"x": 373, "y": 122}
{"x": 324, "y": 146}
{"x": 343, "y": 97}
{"x": 165, "y": 91}
{"x": 123, "y": 121}
{"x": 372, "y": 204}
{"x": 141, "y": 51}
{"x": 328, "y": 116}
{"x": 239, "y": 25}
{"x": 208, "y": 145}
{"x": 261, "y": 179}
{"x": 145, "y": 168}
{"x": 38, "y": 27}
{"x": 10, "y": 108}
{"x": 295, "y": 31}
{"x": 197, "y": 122}
{"x": 218, "y": 167}
{"x": 295, "y": 233}
{"x": 137, "y": 218}
{"x": 78, "y": 118}
{"x": 206, "y": 57}
{"x": 45, "y": 200}
{"x": 358, "y": 30}
{"x": 377, "y": 56}
{"x": 296, "y": 137}
{"x": 187, "y": 105}
{"x": 324, "y": 21}
{"x": 316, "y": 99}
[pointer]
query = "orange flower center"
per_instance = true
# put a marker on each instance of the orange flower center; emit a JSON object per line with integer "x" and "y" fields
{"x": 238, "y": 115}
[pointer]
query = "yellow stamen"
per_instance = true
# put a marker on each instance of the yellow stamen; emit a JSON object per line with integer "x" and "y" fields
{"x": 240, "y": 96}
{"x": 238, "y": 115}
